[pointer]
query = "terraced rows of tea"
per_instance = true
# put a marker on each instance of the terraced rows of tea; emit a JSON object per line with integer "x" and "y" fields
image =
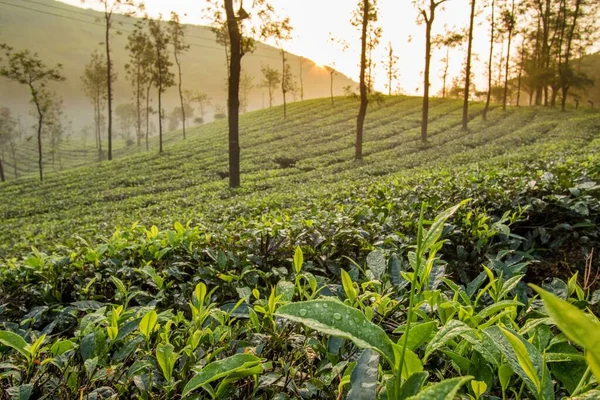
{"x": 463, "y": 267}
{"x": 188, "y": 182}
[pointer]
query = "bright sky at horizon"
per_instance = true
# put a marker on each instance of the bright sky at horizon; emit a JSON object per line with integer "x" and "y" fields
{"x": 314, "y": 20}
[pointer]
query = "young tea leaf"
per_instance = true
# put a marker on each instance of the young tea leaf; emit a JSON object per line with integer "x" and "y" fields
{"x": 335, "y": 318}
{"x": 15, "y": 342}
{"x": 444, "y": 390}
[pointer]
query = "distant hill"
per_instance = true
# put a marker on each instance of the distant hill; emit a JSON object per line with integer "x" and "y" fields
{"x": 60, "y": 33}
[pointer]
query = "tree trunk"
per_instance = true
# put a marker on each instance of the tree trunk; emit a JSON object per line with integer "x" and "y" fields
{"x": 180, "y": 93}
{"x": 510, "y": 31}
{"x": 364, "y": 101}
{"x": 301, "y": 83}
{"x": 233, "y": 101}
{"x": 425, "y": 108}
{"x": 490, "y": 61}
{"x": 138, "y": 93}
{"x": 331, "y": 86}
{"x": 2, "y": 178}
{"x": 148, "y": 114}
{"x": 564, "y": 84}
{"x": 14, "y": 158}
{"x": 445, "y": 77}
{"x": 283, "y": 88}
{"x": 109, "y": 84}
{"x": 465, "y": 118}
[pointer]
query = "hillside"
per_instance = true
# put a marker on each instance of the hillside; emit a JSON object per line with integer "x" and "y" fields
{"x": 189, "y": 181}
{"x": 403, "y": 274}
{"x": 74, "y": 33}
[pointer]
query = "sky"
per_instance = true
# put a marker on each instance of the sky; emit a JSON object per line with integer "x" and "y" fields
{"x": 315, "y": 21}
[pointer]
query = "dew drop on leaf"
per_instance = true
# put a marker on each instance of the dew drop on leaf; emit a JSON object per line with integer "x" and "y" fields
{"x": 337, "y": 316}
{"x": 303, "y": 312}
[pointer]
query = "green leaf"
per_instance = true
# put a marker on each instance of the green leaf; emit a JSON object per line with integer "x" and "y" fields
{"x": 220, "y": 369}
{"x": 576, "y": 325}
{"x": 166, "y": 357}
{"x": 419, "y": 334}
{"x": 451, "y": 330}
{"x": 506, "y": 348}
{"x": 15, "y": 342}
{"x": 332, "y": 317}
{"x": 494, "y": 308}
{"x": 412, "y": 363}
{"x": 364, "y": 376}
{"x": 505, "y": 372}
{"x": 61, "y": 347}
{"x": 523, "y": 357}
{"x": 436, "y": 229}
{"x": 445, "y": 390}
{"x": 376, "y": 263}
{"x": 22, "y": 392}
{"x": 348, "y": 286}
{"x": 478, "y": 387}
{"x": 298, "y": 260}
{"x": 148, "y": 323}
{"x": 413, "y": 384}
{"x": 591, "y": 395}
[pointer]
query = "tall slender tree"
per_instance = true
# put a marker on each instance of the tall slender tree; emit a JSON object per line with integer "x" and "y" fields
{"x": 465, "y": 117}
{"x": 139, "y": 71}
{"x": 8, "y": 133}
{"x": 271, "y": 79}
{"x": 162, "y": 77}
{"x": 391, "y": 67}
{"x": 365, "y": 16}
{"x": 449, "y": 40}
{"x": 332, "y": 72}
{"x": 240, "y": 42}
{"x": 509, "y": 23}
{"x": 29, "y": 70}
{"x": 490, "y": 59}
{"x": 177, "y": 35}
{"x": 93, "y": 82}
{"x": 427, "y": 11}
{"x": 281, "y": 31}
{"x": 111, "y": 8}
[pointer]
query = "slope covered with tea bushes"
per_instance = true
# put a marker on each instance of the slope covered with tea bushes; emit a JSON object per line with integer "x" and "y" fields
{"x": 274, "y": 290}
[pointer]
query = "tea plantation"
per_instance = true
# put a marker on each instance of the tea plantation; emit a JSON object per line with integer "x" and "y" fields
{"x": 461, "y": 268}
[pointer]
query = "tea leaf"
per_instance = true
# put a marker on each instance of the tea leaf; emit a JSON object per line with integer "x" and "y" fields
{"x": 220, "y": 369}
{"x": 523, "y": 357}
{"x": 444, "y": 390}
{"x": 332, "y": 317}
{"x": 364, "y": 376}
{"x": 15, "y": 342}
{"x": 166, "y": 357}
{"x": 448, "y": 332}
{"x": 298, "y": 260}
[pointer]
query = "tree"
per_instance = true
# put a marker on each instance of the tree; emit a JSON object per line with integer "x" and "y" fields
{"x": 364, "y": 17}
{"x": 301, "y": 62}
{"x": 8, "y": 134}
{"x": 93, "y": 81}
{"x": 240, "y": 39}
{"x": 177, "y": 34}
{"x": 465, "y": 117}
{"x": 55, "y": 128}
{"x": 126, "y": 114}
{"x": 246, "y": 86}
{"x": 450, "y": 40}
{"x": 391, "y": 67}
{"x": 281, "y": 31}
{"x": 271, "y": 79}
{"x": 490, "y": 59}
{"x": 201, "y": 98}
{"x": 427, "y": 15}
{"x": 139, "y": 71}
{"x": 332, "y": 72}
{"x": 27, "y": 69}
{"x": 112, "y": 7}
{"x": 162, "y": 77}
{"x": 508, "y": 24}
